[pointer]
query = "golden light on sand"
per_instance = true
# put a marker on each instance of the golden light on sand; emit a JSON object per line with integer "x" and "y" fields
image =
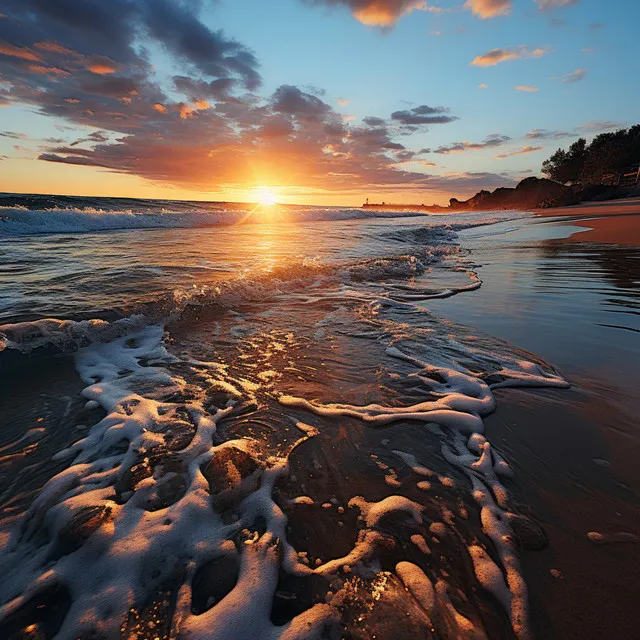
{"x": 266, "y": 196}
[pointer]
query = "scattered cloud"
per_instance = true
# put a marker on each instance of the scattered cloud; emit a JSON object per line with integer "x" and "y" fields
{"x": 13, "y": 135}
{"x": 545, "y": 134}
{"x": 483, "y": 86}
{"x": 527, "y": 88}
{"x": 343, "y": 102}
{"x": 423, "y": 114}
{"x": 496, "y": 56}
{"x": 545, "y": 5}
{"x": 102, "y": 68}
{"x": 378, "y": 13}
{"x": 599, "y": 126}
{"x": 575, "y": 76}
{"x": 489, "y": 8}
{"x": 23, "y": 53}
{"x": 492, "y": 140}
{"x": 518, "y": 152}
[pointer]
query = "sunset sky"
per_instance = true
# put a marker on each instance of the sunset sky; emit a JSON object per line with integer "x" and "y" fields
{"x": 324, "y": 101}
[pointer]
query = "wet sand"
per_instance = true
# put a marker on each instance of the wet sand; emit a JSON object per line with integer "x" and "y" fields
{"x": 612, "y": 221}
{"x": 572, "y": 297}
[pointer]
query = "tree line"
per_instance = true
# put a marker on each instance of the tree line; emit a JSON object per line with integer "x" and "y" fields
{"x": 585, "y": 164}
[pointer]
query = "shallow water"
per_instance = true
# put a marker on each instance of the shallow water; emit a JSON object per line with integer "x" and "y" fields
{"x": 268, "y": 434}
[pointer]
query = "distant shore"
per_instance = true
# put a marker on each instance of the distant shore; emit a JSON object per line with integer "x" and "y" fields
{"x": 529, "y": 194}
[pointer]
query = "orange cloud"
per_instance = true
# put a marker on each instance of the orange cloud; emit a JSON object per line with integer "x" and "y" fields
{"x": 496, "y": 56}
{"x": 47, "y": 71}
{"x": 381, "y": 13}
{"x": 343, "y": 102}
{"x": 24, "y": 53}
{"x": 54, "y": 47}
{"x": 483, "y": 86}
{"x": 160, "y": 108}
{"x": 201, "y": 105}
{"x": 489, "y": 8}
{"x": 527, "y": 88}
{"x": 186, "y": 111}
{"x": 102, "y": 68}
{"x": 518, "y": 152}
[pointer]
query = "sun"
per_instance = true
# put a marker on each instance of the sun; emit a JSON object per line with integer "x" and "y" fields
{"x": 266, "y": 197}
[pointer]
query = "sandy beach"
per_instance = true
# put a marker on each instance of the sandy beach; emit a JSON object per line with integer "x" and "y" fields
{"x": 612, "y": 221}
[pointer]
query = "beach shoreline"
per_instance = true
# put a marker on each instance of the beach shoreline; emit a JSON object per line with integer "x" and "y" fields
{"x": 568, "y": 295}
{"x": 610, "y": 222}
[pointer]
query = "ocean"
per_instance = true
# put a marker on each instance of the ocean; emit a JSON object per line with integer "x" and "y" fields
{"x": 237, "y": 423}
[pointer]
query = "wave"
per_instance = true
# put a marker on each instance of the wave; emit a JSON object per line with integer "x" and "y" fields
{"x": 291, "y": 277}
{"x": 17, "y": 221}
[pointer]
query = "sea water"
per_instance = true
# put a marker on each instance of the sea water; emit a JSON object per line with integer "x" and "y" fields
{"x": 265, "y": 434}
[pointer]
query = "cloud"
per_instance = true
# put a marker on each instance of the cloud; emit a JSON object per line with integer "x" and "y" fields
{"x": 492, "y": 140}
{"x": 13, "y": 135}
{"x": 293, "y": 101}
{"x": 545, "y": 5}
{"x": 598, "y": 126}
{"x": 423, "y": 114}
{"x": 544, "y": 134}
{"x": 483, "y": 86}
{"x": 208, "y": 128}
{"x": 23, "y": 53}
{"x": 575, "y": 76}
{"x": 102, "y": 68}
{"x": 104, "y": 36}
{"x": 343, "y": 102}
{"x": 489, "y": 8}
{"x": 496, "y": 56}
{"x": 377, "y": 13}
{"x": 518, "y": 152}
{"x": 527, "y": 88}
{"x": 47, "y": 71}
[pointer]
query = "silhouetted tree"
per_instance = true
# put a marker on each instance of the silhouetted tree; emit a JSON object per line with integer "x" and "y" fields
{"x": 584, "y": 163}
{"x": 567, "y": 166}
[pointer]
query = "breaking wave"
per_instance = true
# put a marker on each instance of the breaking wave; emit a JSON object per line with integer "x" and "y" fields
{"x": 21, "y": 221}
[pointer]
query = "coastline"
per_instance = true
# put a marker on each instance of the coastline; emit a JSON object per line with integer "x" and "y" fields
{"x": 610, "y": 222}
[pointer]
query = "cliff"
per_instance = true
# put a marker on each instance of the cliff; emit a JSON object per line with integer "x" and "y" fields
{"x": 531, "y": 193}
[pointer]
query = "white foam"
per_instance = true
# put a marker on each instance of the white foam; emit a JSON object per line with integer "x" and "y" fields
{"x": 23, "y": 221}
{"x": 461, "y": 401}
{"x": 136, "y": 547}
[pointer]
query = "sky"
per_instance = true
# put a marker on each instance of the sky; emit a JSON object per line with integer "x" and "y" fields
{"x": 319, "y": 101}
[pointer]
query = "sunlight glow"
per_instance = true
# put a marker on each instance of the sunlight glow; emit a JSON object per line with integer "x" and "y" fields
{"x": 266, "y": 196}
